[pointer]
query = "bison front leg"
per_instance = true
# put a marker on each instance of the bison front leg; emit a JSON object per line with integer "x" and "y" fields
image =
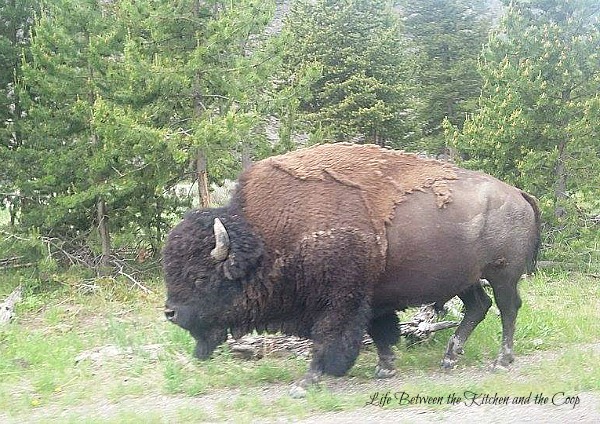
{"x": 476, "y": 303}
{"x": 337, "y": 338}
{"x": 337, "y": 271}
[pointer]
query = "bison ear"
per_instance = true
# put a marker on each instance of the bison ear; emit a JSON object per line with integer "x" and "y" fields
{"x": 242, "y": 262}
{"x": 221, "y": 250}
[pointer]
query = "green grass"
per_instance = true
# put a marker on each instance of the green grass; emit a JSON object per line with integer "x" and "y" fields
{"x": 39, "y": 375}
{"x": 4, "y": 216}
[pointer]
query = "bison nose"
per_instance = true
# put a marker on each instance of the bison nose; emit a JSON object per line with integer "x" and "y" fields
{"x": 170, "y": 314}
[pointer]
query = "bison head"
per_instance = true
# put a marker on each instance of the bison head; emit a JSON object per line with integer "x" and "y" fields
{"x": 208, "y": 259}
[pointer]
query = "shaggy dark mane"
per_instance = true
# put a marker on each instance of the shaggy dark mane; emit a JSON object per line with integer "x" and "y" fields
{"x": 193, "y": 238}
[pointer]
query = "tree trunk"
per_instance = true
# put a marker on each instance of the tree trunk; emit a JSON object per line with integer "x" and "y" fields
{"x": 246, "y": 157}
{"x": 377, "y": 139}
{"x": 203, "y": 193}
{"x": 199, "y": 110}
{"x": 12, "y": 212}
{"x": 16, "y": 38}
{"x": 104, "y": 232}
{"x": 560, "y": 189}
{"x": 158, "y": 221}
{"x": 449, "y": 110}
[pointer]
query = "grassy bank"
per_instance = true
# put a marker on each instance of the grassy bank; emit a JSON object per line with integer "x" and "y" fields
{"x": 101, "y": 350}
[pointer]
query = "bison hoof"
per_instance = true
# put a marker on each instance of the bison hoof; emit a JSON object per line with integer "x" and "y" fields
{"x": 500, "y": 366}
{"x": 497, "y": 368}
{"x": 503, "y": 362}
{"x": 300, "y": 388}
{"x": 448, "y": 364}
{"x": 298, "y": 392}
{"x": 381, "y": 372}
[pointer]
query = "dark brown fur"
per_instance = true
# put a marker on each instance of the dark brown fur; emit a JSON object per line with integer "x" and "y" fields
{"x": 330, "y": 241}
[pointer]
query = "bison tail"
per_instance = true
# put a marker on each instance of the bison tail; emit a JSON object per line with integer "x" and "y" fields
{"x": 537, "y": 242}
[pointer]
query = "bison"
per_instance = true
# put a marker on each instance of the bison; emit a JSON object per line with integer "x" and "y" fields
{"x": 329, "y": 242}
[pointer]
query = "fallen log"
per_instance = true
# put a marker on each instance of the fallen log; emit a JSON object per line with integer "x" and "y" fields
{"x": 256, "y": 346}
{"x": 568, "y": 266}
{"x": 14, "y": 263}
{"x": 8, "y": 306}
{"x": 423, "y": 325}
{"x": 17, "y": 266}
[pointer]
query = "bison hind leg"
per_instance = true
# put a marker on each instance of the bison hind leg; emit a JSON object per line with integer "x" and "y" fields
{"x": 385, "y": 332}
{"x": 476, "y": 303}
{"x": 508, "y": 301}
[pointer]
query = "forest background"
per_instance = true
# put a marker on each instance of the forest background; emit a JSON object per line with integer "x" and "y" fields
{"x": 117, "y": 115}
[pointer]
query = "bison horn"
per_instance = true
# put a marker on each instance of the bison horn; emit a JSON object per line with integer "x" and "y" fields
{"x": 221, "y": 250}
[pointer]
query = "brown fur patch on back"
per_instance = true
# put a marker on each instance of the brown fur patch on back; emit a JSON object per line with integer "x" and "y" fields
{"x": 442, "y": 192}
{"x": 336, "y": 185}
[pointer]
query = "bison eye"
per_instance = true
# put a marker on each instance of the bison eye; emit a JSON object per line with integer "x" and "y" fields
{"x": 170, "y": 314}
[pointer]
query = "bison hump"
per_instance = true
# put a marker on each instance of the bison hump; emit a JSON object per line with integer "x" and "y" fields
{"x": 339, "y": 185}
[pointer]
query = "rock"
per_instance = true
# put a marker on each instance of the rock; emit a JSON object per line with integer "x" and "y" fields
{"x": 7, "y": 307}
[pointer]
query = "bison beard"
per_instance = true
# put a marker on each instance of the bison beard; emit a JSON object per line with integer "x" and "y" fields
{"x": 208, "y": 342}
{"x": 321, "y": 243}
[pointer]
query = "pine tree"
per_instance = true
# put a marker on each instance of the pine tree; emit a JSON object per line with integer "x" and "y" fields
{"x": 357, "y": 48}
{"x": 16, "y": 18}
{"x": 93, "y": 160}
{"x": 66, "y": 182}
{"x": 120, "y": 97}
{"x": 210, "y": 77}
{"x": 537, "y": 123}
{"x": 447, "y": 37}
